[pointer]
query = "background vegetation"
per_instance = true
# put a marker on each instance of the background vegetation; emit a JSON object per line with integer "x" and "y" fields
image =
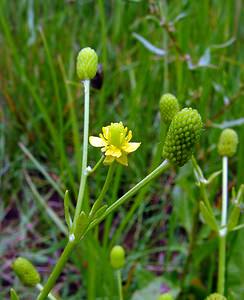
{"x": 198, "y": 58}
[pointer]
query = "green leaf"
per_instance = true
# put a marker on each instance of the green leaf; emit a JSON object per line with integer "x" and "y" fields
{"x": 13, "y": 295}
{"x": 100, "y": 212}
{"x": 208, "y": 217}
{"x": 149, "y": 46}
{"x": 66, "y": 210}
{"x": 213, "y": 176}
{"x": 81, "y": 225}
{"x": 234, "y": 217}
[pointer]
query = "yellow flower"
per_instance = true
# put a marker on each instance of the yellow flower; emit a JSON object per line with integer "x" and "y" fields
{"x": 115, "y": 143}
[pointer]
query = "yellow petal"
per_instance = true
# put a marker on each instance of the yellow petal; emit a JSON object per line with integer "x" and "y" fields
{"x": 129, "y": 136}
{"x": 122, "y": 159}
{"x": 131, "y": 147}
{"x": 113, "y": 151}
{"x": 105, "y": 132}
{"x": 108, "y": 160}
{"x": 96, "y": 141}
{"x": 102, "y": 137}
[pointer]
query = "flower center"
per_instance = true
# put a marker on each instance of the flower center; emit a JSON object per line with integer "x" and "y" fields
{"x": 116, "y": 134}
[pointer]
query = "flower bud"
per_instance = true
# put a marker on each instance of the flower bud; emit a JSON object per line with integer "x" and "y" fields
{"x": 184, "y": 132}
{"x": 215, "y": 296}
{"x": 166, "y": 296}
{"x": 168, "y": 106}
{"x": 228, "y": 142}
{"x": 26, "y": 272}
{"x": 117, "y": 257}
{"x": 86, "y": 65}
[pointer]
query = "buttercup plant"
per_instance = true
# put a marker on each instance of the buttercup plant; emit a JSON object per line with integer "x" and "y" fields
{"x": 227, "y": 146}
{"x": 115, "y": 143}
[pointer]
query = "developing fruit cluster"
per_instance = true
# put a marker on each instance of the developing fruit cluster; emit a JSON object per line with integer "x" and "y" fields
{"x": 26, "y": 272}
{"x": 168, "y": 106}
{"x": 216, "y": 296}
{"x": 228, "y": 142}
{"x": 184, "y": 132}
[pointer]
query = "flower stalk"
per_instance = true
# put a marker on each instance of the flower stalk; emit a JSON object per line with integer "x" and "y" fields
{"x": 223, "y": 230}
{"x": 84, "y": 172}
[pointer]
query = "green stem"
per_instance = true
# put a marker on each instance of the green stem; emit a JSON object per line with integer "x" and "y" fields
{"x": 98, "y": 202}
{"x": 57, "y": 270}
{"x": 119, "y": 284}
{"x": 96, "y": 166}
{"x": 201, "y": 181}
{"x": 221, "y": 268}
{"x": 84, "y": 154}
{"x": 159, "y": 170}
{"x": 71, "y": 244}
{"x": 40, "y": 288}
{"x": 223, "y": 230}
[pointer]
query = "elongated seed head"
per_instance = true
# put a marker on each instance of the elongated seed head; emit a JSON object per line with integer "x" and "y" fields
{"x": 117, "y": 257}
{"x": 168, "y": 106}
{"x": 228, "y": 141}
{"x": 184, "y": 132}
{"x": 215, "y": 296}
{"x": 86, "y": 65}
{"x": 166, "y": 296}
{"x": 26, "y": 272}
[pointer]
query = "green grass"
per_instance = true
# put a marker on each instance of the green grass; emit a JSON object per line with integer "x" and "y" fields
{"x": 42, "y": 108}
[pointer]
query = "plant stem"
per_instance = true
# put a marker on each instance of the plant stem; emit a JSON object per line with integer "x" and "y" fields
{"x": 119, "y": 284}
{"x": 223, "y": 230}
{"x": 57, "y": 270}
{"x": 84, "y": 154}
{"x": 159, "y": 170}
{"x": 71, "y": 243}
{"x": 98, "y": 202}
{"x": 96, "y": 166}
{"x": 40, "y": 288}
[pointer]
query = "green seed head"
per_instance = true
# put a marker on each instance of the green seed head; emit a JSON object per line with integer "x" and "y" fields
{"x": 86, "y": 65}
{"x": 228, "y": 142}
{"x": 117, "y": 257}
{"x": 26, "y": 272}
{"x": 215, "y": 296}
{"x": 184, "y": 132}
{"x": 169, "y": 106}
{"x": 166, "y": 296}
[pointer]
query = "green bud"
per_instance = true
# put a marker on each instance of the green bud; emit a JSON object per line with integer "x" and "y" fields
{"x": 168, "y": 106}
{"x": 117, "y": 257}
{"x": 228, "y": 142}
{"x": 86, "y": 65}
{"x": 166, "y": 296}
{"x": 215, "y": 296}
{"x": 184, "y": 132}
{"x": 26, "y": 272}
